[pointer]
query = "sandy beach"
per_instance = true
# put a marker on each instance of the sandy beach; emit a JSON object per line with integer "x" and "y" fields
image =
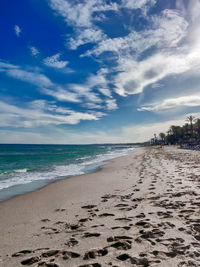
{"x": 139, "y": 210}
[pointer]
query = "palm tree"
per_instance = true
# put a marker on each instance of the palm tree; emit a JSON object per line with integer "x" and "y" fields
{"x": 174, "y": 130}
{"x": 175, "y": 134}
{"x": 191, "y": 119}
{"x": 162, "y": 136}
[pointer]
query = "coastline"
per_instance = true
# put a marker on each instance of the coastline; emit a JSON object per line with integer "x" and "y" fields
{"x": 37, "y": 180}
{"x": 91, "y": 212}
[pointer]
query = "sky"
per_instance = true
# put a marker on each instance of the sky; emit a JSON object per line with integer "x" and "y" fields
{"x": 98, "y": 71}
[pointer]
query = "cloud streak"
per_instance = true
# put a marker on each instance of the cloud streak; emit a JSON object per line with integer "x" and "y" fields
{"x": 34, "y": 51}
{"x": 172, "y": 103}
{"x": 93, "y": 94}
{"x": 81, "y": 13}
{"x": 42, "y": 113}
{"x": 55, "y": 62}
{"x": 137, "y": 133}
{"x": 133, "y": 72}
{"x": 17, "y": 30}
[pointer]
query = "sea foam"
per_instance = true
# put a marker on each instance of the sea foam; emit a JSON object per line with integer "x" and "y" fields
{"x": 80, "y": 165}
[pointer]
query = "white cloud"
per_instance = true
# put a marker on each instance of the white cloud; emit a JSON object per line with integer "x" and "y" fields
{"x": 136, "y": 133}
{"x": 17, "y": 30}
{"x": 171, "y": 103}
{"x": 135, "y": 4}
{"x": 45, "y": 85}
{"x": 32, "y": 77}
{"x": 78, "y": 14}
{"x": 85, "y": 36}
{"x": 76, "y": 93}
{"x": 192, "y": 9}
{"x": 111, "y": 104}
{"x": 98, "y": 83}
{"x": 90, "y": 105}
{"x": 62, "y": 95}
{"x": 81, "y": 13}
{"x": 34, "y": 51}
{"x": 164, "y": 31}
{"x": 166, "y": 39}
{"x": 167, "y": 36}
{"x": 85, "y": 92}
{"x": 114, "y": 45}
{"x": 4, "y": 66}
{"x": 55, "y": 62}
{"x": 82, "y": 16}
{"x": 42, "y": 113}
{"x": 97, "y": 80}
{"x": 162, "y": 34}
{"x": 94, "y": 98}
{"x": 105, "y": 91}
{"x": 135, "y": 76}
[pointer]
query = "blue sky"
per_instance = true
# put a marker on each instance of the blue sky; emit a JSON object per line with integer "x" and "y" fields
{"x": 97, "y": 71}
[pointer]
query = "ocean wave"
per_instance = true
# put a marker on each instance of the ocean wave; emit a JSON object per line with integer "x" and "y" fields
{"x": 86, "y": 164}
{"x": 21, "y": 170}
{"x": 21, "y": 178}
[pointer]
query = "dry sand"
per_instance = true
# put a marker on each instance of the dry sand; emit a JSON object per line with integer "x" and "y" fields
{"x": 141, "y": 210}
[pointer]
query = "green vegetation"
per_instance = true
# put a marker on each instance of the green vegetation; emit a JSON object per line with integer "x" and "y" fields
{"x": 189, "y": 133}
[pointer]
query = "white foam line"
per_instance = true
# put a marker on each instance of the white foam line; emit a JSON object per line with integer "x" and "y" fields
{"x": 22, "y": 176}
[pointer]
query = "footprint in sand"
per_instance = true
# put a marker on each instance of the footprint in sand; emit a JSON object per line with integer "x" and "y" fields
{"x": 121, "y": 245}
{"x": 22, "y": 253}
{"x": 86, "y": 235}
{"x": 134, "y": 260}
{"x": 45, "y": 220}
{"x": 123, "y": 219}
{"x": 72, "y": 242}
{"x": 69, "y": 254}
{"x": 98, "y": 225}
{"x": 117, "y": 238}
{"x": 30, "y": 261}
{"x": 92, "y": 254}
{"x": 89, "y": 206}
{"x": 106, "y": 214}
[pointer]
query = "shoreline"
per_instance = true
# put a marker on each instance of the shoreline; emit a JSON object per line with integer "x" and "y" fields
{"x": 52, "y": 181}
{"x": 140, "y": 209}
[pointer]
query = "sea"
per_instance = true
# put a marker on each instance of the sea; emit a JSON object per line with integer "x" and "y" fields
{"x": 25, "y": 168}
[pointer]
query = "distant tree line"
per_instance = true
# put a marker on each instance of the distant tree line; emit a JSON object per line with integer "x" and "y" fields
{"x": 188, "y": 133}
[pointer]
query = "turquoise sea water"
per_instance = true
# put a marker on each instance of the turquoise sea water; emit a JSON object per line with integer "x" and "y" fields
{"x": 25, "y": 168}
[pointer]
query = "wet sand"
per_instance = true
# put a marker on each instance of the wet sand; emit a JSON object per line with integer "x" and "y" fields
{"x": 141, "y": 210}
